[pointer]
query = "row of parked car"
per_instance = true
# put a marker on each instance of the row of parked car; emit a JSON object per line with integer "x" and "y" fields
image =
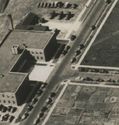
{"x": 56, "y": 4}
{"x": 90, "y": 79}
{"x": 10, "y": 109}
{"x": 61, "y": 15}
{"x": 78, "y": 52}
{"x": 45, "y": 108}
{"x": 7, "y": 118}
{"x": 34, "y": 101}
{"x": 7, "y": 112}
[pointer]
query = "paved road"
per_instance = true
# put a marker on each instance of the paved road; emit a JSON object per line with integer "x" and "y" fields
{"x": 64, "y": 69}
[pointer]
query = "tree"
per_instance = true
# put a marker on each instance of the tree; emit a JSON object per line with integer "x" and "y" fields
{"x": 108, "y": 1}
{"x": 53, "y": 14}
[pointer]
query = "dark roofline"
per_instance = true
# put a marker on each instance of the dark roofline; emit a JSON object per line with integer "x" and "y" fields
{"x": 34, "y": 31}
{"x": 20, "y": 55}
{"x": 18, "y": 73}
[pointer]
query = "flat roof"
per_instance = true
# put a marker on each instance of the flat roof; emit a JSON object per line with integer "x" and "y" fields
{"x": 41, "y": 73}
{"x": 105, "y": 49}
{"x": 19, "y": 8}
{"x": 7, "y": 59}
{"x": 11, "y": 82}
{"x": 32, "y": 39}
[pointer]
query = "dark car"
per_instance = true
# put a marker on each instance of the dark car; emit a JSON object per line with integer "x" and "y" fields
{"x": 49, "y": 101}
{"x": 30, "y": 107}
{"x": 93, "y": 27}
{"x": 10, "y": 108}
{"x": 67, "y": 48}
{"x": 44, "y": 109}
{"x": 78, "y": 51}
{"x": 1, "y": 106}
{"x": 24, "y": 116}
{"x": 36, "y": 121}
{"x": 4, "y": 109}
{"x": 41, "y": 114}
{"x": 11, "y": 118}
{"x": 5, "y": 117}
{"x": 43, "y": 86}
{"x": 52, "y": 94}
{"x": 39, "y": 92}
{"x": 73, "y": 37}
{"x": 64, "y": 52}
{"x": 34, "y": 100}
{"x": 73, "y": 60}
{"x": 14, "y": 109}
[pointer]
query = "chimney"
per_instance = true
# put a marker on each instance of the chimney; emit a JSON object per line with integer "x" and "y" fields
{"x": 15, "y": 49}
{"x": 10, "y": 22}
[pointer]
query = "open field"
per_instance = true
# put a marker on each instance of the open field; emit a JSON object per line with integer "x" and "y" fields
{"x": 105, "y": 49}
{"x": 47, "y": 10}
{"x": 85, "y": 105}
{"x": 19, "y": 8}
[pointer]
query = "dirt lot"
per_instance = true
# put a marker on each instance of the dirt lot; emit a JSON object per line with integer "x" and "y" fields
{"x": 82, "y": 105}
{"x": 105, "y": 49}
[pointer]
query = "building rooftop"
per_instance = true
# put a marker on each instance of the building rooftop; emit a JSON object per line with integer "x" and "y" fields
{"x": 38, "y": 72}
{"x": 19, "y": 8}
{"x": 7, "y": 59}
{"x": 11, "y": 82}
{"x": 32, "y": 39}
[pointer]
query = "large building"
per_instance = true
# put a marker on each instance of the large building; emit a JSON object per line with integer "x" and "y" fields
{"x": 18, "y": 53}
{"x": 41, "y": 45}
{"x": 14, "y": 89}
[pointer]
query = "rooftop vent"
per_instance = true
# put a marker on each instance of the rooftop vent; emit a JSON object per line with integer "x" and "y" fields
{"x": 15, "y": 49}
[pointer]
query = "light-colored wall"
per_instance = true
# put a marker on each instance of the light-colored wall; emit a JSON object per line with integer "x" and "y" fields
{"x": 38, "y": 54}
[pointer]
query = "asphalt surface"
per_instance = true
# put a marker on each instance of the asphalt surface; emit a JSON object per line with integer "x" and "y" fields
{"x": 63, "y": 70}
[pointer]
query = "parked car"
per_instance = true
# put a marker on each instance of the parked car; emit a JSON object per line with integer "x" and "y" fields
{"x": 41, "y": 114}
{"x": 49, "y": 101}
{"x": 5, "y": 117}
{"x": 4, "y": 109}
{"x": 73, "y": 37}
{"x": 93, "y": 27}
{"x": 36, "y": 121}
{"x": 11, "y": 118}
{"x": 108, "y": 1}
{"x": 39, "y": 92}
{"x": 73, "y": 60}
{"x": 67, "y": 48}
{"x": 14, "y": 109}
{"x": 78, "y": 51}
{"x": 64, "y": 52}
{"x": 30, "y": 107}
{"x": 43, "y": 86}
{"x": 52, "y": 94}
{"x": 10, "y": 108}
{"x": 24, "y": 116}
{"x": 44, "y": 108}
{"x": 1, "y": 106}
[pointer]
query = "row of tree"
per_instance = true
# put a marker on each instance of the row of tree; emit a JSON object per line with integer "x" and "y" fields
{"x": 61, "y": 15}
